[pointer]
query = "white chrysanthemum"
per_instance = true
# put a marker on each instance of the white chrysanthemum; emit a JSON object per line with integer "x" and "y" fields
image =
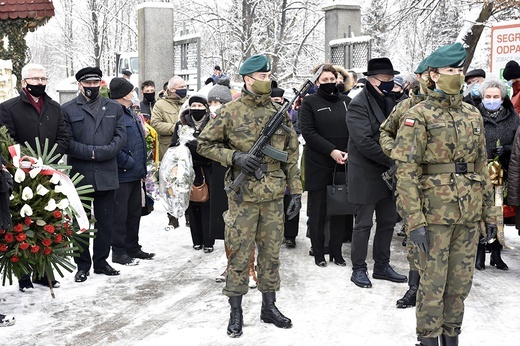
{"x": 26, "y": 211}
{"x": 19, "y": 175}
{"x": 64, "y": 203}
{"x": 58, "y": 188}
{"x": 51, "y": 206}
{"x": 38, "y": 168}
{"x": 41, "y": 190}
{"x": 27, "y": 193}
{"x": 40, "y": 223}
{"x": 16, "y": 161}
{"x": 55, "y": 178}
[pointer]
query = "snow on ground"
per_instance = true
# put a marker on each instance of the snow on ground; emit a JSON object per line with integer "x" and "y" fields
{"x": 174, "y": 300}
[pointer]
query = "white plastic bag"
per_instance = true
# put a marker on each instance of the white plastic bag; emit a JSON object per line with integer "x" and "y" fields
{"x": 176, "y": 174}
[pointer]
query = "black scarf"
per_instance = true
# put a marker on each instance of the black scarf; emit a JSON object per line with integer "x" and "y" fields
{"x": 385, "y": 103}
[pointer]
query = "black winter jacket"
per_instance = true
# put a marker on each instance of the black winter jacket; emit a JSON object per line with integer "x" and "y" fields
{"x": 131, "y": 160}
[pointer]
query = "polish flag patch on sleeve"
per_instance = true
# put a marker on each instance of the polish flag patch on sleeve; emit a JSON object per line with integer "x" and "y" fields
{"x": 409, "y": 122}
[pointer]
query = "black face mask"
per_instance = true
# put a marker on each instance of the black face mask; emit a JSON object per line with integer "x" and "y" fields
{"x": 341, "y": 87}
{"x": 328, "y": 88}
{"x": 91, "y": 92}
{"x": 397, "y": 94}
{"x": 35, "y": 90}
{"x": 197, "y": 114}
{"x": 150, "y": 97}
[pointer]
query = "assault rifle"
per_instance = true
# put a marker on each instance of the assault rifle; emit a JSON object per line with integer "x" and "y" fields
{"x": 261, "y": 147}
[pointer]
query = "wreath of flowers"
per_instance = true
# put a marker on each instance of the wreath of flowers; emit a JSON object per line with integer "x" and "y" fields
{"x": 45, "y": 232}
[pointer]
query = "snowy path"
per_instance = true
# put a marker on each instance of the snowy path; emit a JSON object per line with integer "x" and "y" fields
{"x": 174, "y": 300}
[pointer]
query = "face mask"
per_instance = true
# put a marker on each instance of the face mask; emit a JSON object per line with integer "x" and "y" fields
{"x": 181, "y": 93}
{"x": 450, "y": 84}
{"x": 35, "y": 90}
{"x": 91, "y": 92}
{"x": 397, "y": 94}
{"x": 150, "y": 97}
{"x": 386, "y": 87}
{"x": 328, "y": 88}
{"x": 474, "y": 90}
{"x": 510, "y": 83}
{"x": 341, "y": 87}
{"x": 197, "y": 114}
{"x": 261, "y": 87}
{"x": 491, "y": 105}
{"x": 213, "y": 109}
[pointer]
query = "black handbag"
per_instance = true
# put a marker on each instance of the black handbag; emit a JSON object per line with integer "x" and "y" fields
{"x": 337, "y": 195}
{"x": 147, "y": 201}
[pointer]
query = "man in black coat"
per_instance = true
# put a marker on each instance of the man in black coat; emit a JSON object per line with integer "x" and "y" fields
{"x": 33, "y": 115}
{"x": 366, "y": 162}
{"x": 97, "y": 135}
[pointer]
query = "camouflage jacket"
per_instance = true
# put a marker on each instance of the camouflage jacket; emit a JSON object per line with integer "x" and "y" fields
{"x": 443, "y": 129}
{"x": 389, "y": 128}
{"x": 235, "y": 127}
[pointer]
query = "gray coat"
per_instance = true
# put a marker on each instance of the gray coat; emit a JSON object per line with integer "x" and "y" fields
{"x": 366, "y": 160}
{"x": 103, "y": 134}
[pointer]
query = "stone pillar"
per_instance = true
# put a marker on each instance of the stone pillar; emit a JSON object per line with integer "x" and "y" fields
{"x": 342, "y": 19}
{"x": 155, "y": 42}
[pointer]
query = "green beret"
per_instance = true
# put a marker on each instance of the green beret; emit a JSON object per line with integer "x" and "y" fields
{"x": 256, "y": 63}
{"x": 452, "y": 55}
{"x": 421, "y": 68}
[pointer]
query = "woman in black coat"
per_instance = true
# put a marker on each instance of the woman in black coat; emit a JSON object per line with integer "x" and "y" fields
{"x": 197, "y": 116}
{"x": 323, "y": 126}
{"x": 500, "y": 124}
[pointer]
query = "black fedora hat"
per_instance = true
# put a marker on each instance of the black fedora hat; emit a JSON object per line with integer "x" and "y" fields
{"x": 380, "y": 66}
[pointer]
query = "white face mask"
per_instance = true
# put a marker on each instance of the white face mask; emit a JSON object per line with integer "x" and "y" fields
{"x": 213, "y": 109}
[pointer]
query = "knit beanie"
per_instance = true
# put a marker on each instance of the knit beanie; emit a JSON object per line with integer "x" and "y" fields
{"x": 119, "y": 88}
{"x": 220, "y": 93}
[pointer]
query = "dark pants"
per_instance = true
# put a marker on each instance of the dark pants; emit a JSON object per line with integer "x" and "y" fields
{"x": 127, "y": 216}
{"x": 385, "y": 222}
{"x": 199, "y": 224}
{"x": 290, "y": 226}
{"x": 104, "y": 214}
{"x": 318, "y": 216}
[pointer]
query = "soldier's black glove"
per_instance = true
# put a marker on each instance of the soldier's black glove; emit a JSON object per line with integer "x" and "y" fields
{"x": 491, "y": 232}
{"x": 248, "y": 162}
{"x": 294, "y": 206}
{"x": 419, "y": 238}
{"x": 498, "y": 151}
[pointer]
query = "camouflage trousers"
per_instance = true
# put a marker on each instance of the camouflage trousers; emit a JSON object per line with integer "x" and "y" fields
{"x": 411, "y": 255}
{"x": 248, "y": 223}
{"x": 446, "y": 278}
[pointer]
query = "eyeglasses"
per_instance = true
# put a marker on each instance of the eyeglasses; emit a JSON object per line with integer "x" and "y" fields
{"x": 37, "y": 79}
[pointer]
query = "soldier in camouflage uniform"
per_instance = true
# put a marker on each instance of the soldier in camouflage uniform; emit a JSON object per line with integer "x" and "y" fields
{"x": 258, "y": 216}
{"x": 445, "y": 191}
{"x": 388, "y": 131}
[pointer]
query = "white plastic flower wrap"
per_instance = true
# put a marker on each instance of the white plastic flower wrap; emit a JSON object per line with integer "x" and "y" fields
{"x": 176, "y": 174}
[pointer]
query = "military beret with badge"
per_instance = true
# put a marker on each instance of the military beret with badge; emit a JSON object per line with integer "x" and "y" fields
{"x": 256, "y": 63}
{"x": 452, "y": 55}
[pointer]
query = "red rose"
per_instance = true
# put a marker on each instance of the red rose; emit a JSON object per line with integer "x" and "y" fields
{"x": 35, "y": 248}
{"x": 21, "y": 237}
{"x": 47, "y": 250}
{"x": 69, "y": 233}
{"x": 3, "y": 247}
{"x": 49, "y": 228}
{"x": 46, "y": 242}
{"x": 2, "y": 231}
{"x": 27, "y": 221}
{"x": 14, "y": 259}
{"x": 66, "y": 225}
{"x": 18, "y": 228}
{"x": 58, "y": 238}
{"x": 9, "y": 237}
{"x": 57, "y": 214}
{"x": 24, "y": 246}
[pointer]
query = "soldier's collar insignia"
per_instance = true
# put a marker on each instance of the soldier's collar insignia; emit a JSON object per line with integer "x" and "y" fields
{"x": 476, "y": 130}
{"x": 409, "y": 122}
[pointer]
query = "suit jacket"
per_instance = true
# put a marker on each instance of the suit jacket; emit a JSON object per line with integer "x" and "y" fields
{"x": 366, "y": 160}
{"x": 95, "y": 141}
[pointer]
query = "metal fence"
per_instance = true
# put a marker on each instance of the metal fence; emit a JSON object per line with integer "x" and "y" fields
{"x": 351, "y": 53}
{"x": 186, "y": 60}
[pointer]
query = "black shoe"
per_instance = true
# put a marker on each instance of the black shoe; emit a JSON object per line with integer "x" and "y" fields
{"x": 208, "y": 249}
{"x": 290, "y": 243}
{"x": 44, "y": 281}
{"x": 81, "y": 275}
{"x": 496, "y": 260}
{"x": 338, "y": 260}
{"x": 107, "y": 270}
{"x": 360, "y": 278}
{"x": 270, "y": 313}
{"x": 142, "y": 255}
{"x": 236, "y": 320}
{"x": 449, "y": 340}
{"x": 388, "y": 273}
{"x": 320, "y": 261}
{"x": 480, "y": 261}
{"x": 25, "y": 282}
{"x": 410, "y": 297}
{"x": 429, "y": 342}
{"x": 197, "y": 247}
{"x": 124, "y": 259}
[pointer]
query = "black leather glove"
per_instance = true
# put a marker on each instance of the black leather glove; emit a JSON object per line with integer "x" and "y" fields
{"x": 419, "y": 238}
{"x": 491, "y": 231}
{"x": 498, "y": 151}
{"x": 248, "y": 162}
{"x": 294, "y": 206}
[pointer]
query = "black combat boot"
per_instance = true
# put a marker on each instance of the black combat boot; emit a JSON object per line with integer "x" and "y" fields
{"x": 449, "y": 340}
{"x": 429, "y": 342}
{"x": 271, "y": 314}
{"x": 496, "y": 260}
{"x": 410, "y": 296}
{"x": 236, "y": 320}
{"x": 481, "y": 257}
